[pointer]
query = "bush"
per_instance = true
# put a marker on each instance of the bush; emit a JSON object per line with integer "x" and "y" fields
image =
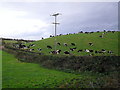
{"x": 100, "y": 64}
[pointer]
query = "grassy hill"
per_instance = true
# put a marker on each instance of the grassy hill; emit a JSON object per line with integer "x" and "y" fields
{"x": 17, "y": 73}
{"x": 108, "y": 42}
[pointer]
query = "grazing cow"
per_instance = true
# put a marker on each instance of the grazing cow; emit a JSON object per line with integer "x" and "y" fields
{"x": 100, "y": 52}
{"x": 72, "y": 49}
{"x": 49, "y": 47}
{"x": 98, "y": 31}
{"x": 58, "y": 43}
{"x": 31, "y": 45}
{"x": 86, "y": 50}
{"x": 108, "y": 31}
{"x": 51, "y": 36}
{"x": 86, "y": 32}
{"x": 73, "y": 44}
{"x": 104, "y": 30}
{"x": 31, "y": 49}
{"x": 103, "y": 50}
{"x": 21, "y": 46}
{"x": 90, "y": 43}
{"x": 65, "y": 44}
{"x": 91, "y": 50}
{"x": 96, "y": 51}
{"x": 91, "y": 32}
{"x": 66, "y": 52}
{"x": 39, "y": 49}
{"x": 60, "y": 35}
{"x": 101, "y": 36}
{"x": 80, "y": 50}
{"x": 25, "y": 47}
{"x": 53, "y": 52}
{"x": 81, "y": 32}
{"x": 58, "y": 51}
{"x": 111, "y": 52}
{"x": 113, "y": 31}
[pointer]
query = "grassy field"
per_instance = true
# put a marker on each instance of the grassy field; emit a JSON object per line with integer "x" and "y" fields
{"x": 18, "y": 74}
{"x": 108, "y": 42}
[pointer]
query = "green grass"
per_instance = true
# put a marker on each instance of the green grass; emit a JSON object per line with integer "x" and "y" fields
{"x": 109, "y": 42}
{"x": 10, "y": 41}
{"x": 18, "y": 74}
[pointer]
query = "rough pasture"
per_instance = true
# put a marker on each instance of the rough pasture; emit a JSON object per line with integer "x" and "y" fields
{"x": 109, "y": 42}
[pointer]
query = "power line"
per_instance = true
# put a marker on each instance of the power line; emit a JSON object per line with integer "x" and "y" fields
{"x": 55, "y": 23}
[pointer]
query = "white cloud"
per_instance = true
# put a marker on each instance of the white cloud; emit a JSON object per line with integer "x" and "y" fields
{"x": 32, "y": 20}
{"x": 13, "y": 23}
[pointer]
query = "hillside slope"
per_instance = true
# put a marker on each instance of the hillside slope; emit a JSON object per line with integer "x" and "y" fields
{"x": 109, "y": 42}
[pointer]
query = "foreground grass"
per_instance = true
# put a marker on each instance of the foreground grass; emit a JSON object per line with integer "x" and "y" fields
{"x": 18, "y": 74}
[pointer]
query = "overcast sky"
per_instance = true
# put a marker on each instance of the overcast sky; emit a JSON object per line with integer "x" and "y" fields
{"x": 32, "y": 20}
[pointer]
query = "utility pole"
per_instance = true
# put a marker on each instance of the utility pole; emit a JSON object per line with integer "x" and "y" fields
{"x": 55, "y": 23}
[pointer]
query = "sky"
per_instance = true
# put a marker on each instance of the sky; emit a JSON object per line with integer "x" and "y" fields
{"x": 33, "y": 20}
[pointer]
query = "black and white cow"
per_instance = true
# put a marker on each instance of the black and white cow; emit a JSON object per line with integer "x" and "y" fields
{"x": 49, "y": 47}
{"x": 96, "y": 51}
{"x": 53, "y": 52}
{"x": 22, "y": 46}
{"x": 111, "y": 52}
{"x": 73, "y": 44}
{"x": 90, "y": 43}
{"x": 58, "y": 51}
{"x": 113, "y": 31}
{"x": 31, "y": 49}
{"x": 87, "y": 50}
{"x": 91, "y": 50}
{"x": 58, "y": 43}
{"x": 65, "y": 44}
{"x": 66, "y": 52}
{"x": 80, "y": 50}
{"x": 101, "y": 36}
{"x": 39, "y": 49}
{"x": 103, "y": 50}
{"x": 31, "y": 45}
{"x": 71, "y": 49}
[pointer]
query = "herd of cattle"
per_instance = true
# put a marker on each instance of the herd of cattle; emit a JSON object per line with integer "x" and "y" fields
{"x": 101, "y": 36}
{"x": 74, "y": 47}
